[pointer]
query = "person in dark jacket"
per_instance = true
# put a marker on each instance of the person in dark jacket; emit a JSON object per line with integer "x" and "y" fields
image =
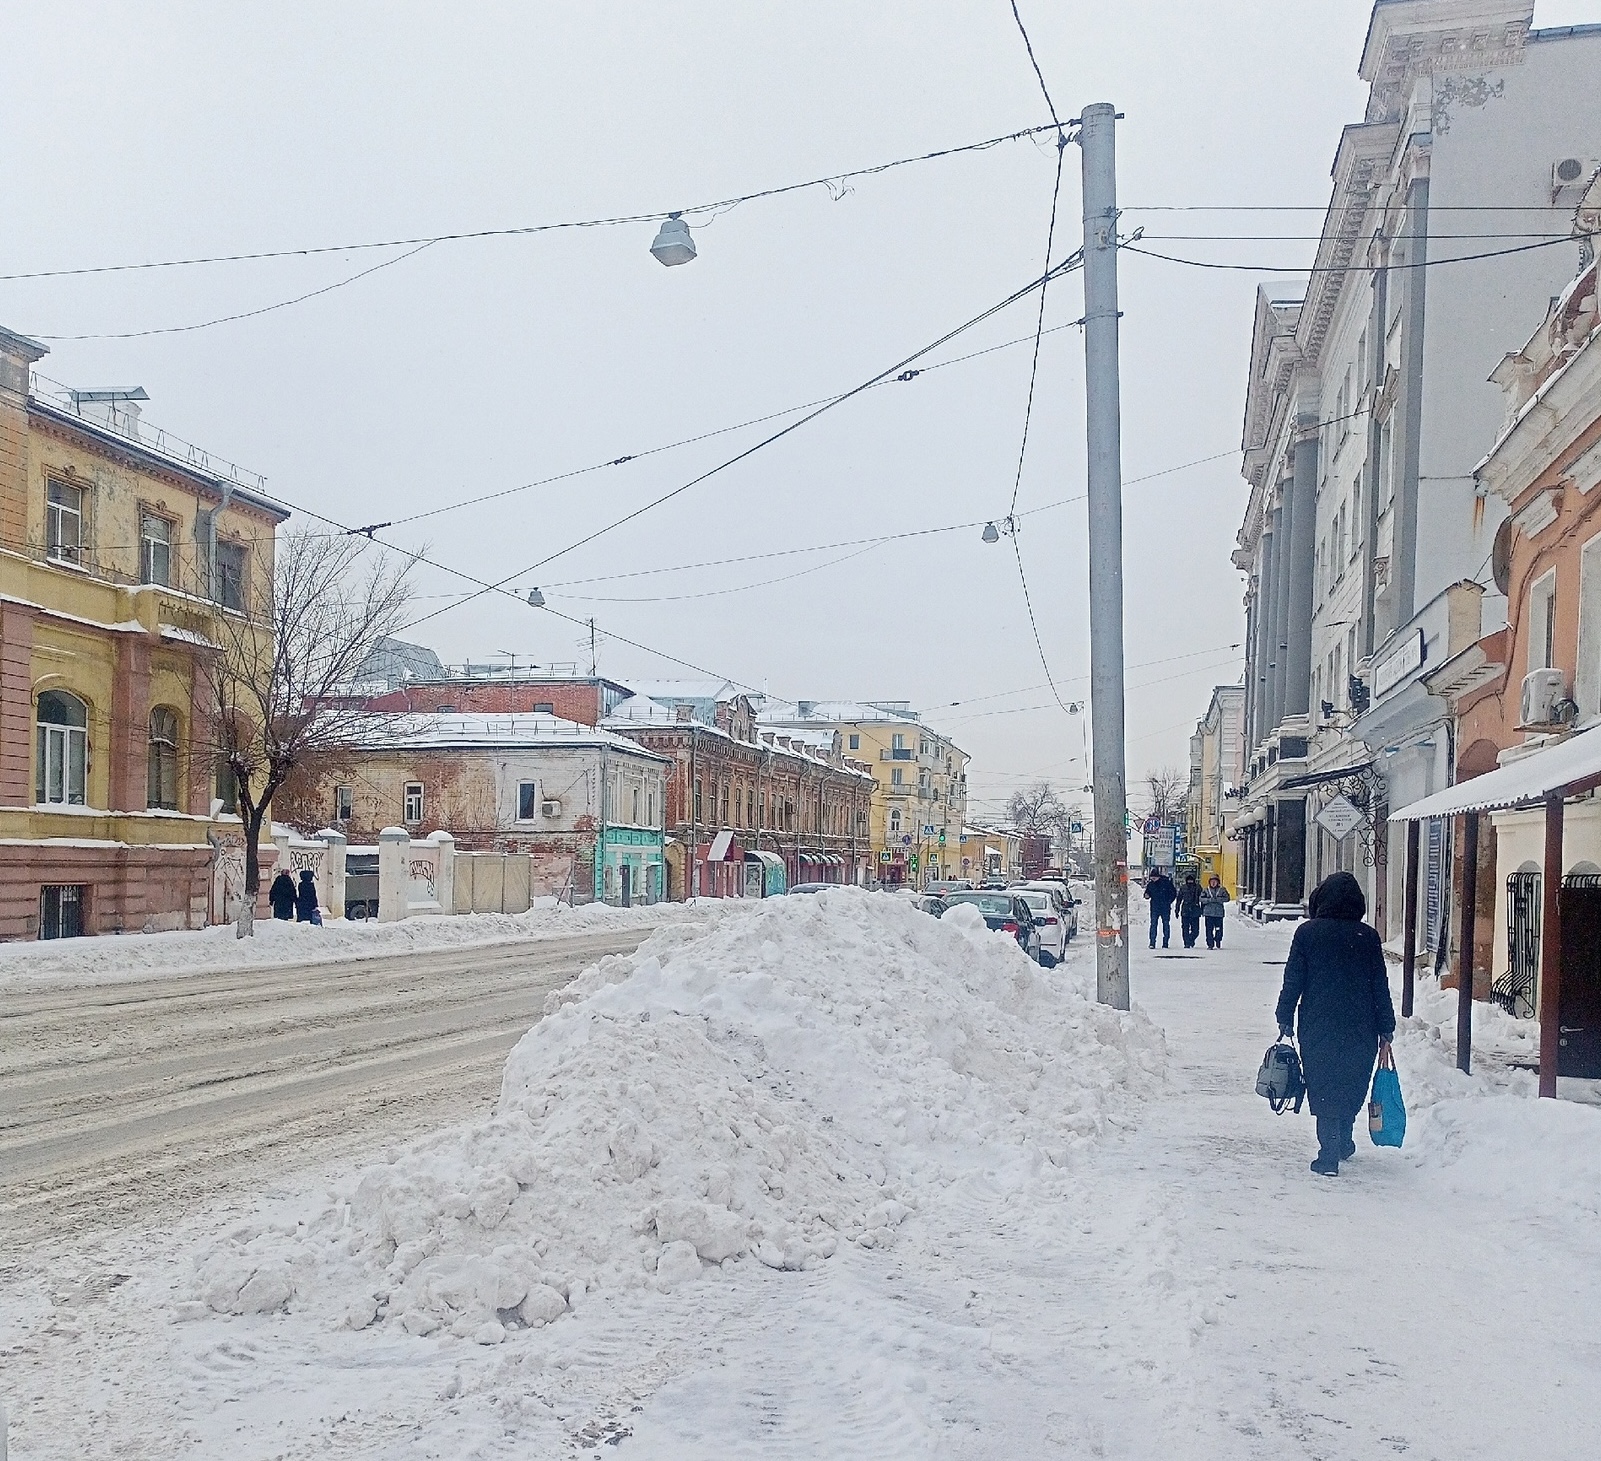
{"x": 306, "y": 910}
{"x": 282, "y": 896}
{"x": 1213, "y": 896}
{"x": 1189, "y": 900}
{"x": 1160, "y": 890}
{"x": 1337, "y": 995}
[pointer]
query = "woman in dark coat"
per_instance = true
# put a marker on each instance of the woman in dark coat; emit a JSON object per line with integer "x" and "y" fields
{"x": 306, "y": 899}
{"x": 1337, "y": 977}
{"x": 282, "y": 896}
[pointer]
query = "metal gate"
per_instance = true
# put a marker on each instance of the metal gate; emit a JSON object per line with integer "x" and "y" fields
{"x": 1514, "y": 990}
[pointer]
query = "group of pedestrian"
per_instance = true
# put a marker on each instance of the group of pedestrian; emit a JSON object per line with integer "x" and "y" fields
{"x": 288, "y": 901}
{"x": 1195, "y": 904}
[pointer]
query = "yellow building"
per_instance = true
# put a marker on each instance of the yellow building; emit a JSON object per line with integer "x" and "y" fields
{"x": 990, "y": 852}
{"x": 1215, "y": 775}
{"x": 920, "y": 800}
{"x": 116, "y": 555}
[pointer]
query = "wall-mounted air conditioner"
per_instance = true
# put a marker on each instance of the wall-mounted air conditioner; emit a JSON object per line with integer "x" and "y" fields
{"x": 550, "y": 809}
{"x": 1545, "y": 704}
{"x": 1572, "y": 172}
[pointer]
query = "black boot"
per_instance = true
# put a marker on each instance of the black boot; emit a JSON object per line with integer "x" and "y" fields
{"x": 1331, "y": 1138}
{"x": 1349, "y": 1149}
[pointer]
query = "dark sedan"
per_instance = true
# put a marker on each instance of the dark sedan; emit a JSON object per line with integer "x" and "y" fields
{"x": 1005, "y": 913}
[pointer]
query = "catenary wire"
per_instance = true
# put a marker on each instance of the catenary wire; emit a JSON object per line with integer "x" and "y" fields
{"x": 248, "y": 314}
{"x": 1069, "y": 263}
{"x": 1039, "y": 75}
{"x": 1131, "y": 248}
{"x": 604, "y": 222}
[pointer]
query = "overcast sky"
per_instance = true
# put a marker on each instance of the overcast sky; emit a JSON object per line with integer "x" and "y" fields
{"x": 171, "y": 130}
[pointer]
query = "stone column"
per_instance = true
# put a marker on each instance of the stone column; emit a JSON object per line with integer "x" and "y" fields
{"x": 1301, "y": 567}
{"x": 1266, "y": 578}
{"x": 16, "y": 706}
{"x": 127, "y": 782}
{"x": 333, "y": 872}
{"x": 393, "y": 845}
{"x": 445, "y": 878}
{"x": 1282, "y": 520}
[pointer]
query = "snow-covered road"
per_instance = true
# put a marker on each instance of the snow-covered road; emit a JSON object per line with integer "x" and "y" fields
{"x": 140, "y": 1096}
{"x": 1182, "y": 1287}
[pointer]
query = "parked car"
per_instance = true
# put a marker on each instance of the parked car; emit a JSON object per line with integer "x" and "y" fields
{"x": 1063, "y": 893}
{"x": 950, "y": 885}
{"x": 1005, "y": 913}
{"x": 810, "y": 887}
{"x": 1052, "y": 916}
{"x": 932, "y": 903}
{"x": 361, "y": 885}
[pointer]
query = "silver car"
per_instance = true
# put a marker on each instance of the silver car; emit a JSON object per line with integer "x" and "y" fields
{"x": 1056, "y": 919}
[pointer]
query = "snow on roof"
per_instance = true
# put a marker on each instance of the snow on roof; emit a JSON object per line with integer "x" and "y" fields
{"x": 1523, "y": 782}
{"x": 442, "y": 729}
{"x": 671, "y": 690}
{"x": 641, "y": 710}
{"x": 780, "y": 712}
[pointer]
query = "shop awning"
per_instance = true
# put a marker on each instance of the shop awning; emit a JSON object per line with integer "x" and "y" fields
{"x": 769, "y": 859}
{"x": 1568, "y": 768}
{"x": 718, "y": 851}
{"x": 1318, "y": 778}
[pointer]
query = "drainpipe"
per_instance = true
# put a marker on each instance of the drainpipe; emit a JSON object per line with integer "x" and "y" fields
{"x": 694, "y": 819}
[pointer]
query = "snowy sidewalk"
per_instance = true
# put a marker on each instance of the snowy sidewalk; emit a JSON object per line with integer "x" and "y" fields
{"x": 1176, "y": 1286}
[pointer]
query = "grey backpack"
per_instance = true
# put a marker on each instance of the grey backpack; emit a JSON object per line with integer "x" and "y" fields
{"x": 1280, "y": 1078}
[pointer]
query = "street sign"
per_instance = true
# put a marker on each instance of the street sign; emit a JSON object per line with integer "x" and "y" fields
{"x": 1153, "y": 825}
{"x": 883, "y": 857}
{"x": 1159, "y": 847}
{"x": 1339, "y": 818}
{"x": 928, "y": 829}
{"x": 1077, "y": 828}
{"x": 906, "y": 841}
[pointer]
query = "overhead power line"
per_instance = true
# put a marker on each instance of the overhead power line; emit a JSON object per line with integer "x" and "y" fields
{"x": 1357, "y": 268}
{"x": 828, "y": 180}
{"x": 1072, "y": 261}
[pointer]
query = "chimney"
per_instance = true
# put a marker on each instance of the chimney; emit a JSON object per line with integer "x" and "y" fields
{"x": 118, "y": 409}
{"x": 804, "y": 707}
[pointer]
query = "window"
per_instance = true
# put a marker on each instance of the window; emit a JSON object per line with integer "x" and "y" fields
{"x": 413, "y": 803}
{"x": 63, "y": 747}
{"x": 1542, "y": 621}
{"x": 1386, "y": 487}
{"x": 650, "y": 806}
{"x": 344, "y": 803}
{"x": 1336, "y": 673}
{"x": 697, "y": 799}
{"x": 231, "y": 575}
{"x": 227, "y": 788}
{"x": 750, "y": 807}
{"x": 527, "y": 801}
{"x": 897, "y": 777}
{"x": 1350, "y": 649}
{"x": 63, "y": 522}
{"x": 895, "y": 819}
{"x": 856, "y": 743}
{"x": 1339, "y": 545}
{"x": 897, "y": 742}
{"x": 635, "y": 819}
{"x": 1587, "y": 680}
{"x": 761, "y": 806}
{"x": 155, "y": 550}
{"x": 1356, "y": 515}
{"x": 544, "y": 707}
{"x": 162, "y": 790}
{"x": 1362, "y": 364}
{"x": 61, "y": 910}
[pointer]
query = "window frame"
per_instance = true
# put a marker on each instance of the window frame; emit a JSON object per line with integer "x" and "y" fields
{"x": 71, "y": 744}
{"x": 527, "y": 800}
{"x": 344, "y": 803}
{"x": 237, "y": 599}
{"x": 56, "y": 514}
{"x": 147, "y": 517}
{"x": 161, "y": 762}
{"x": 412, "y": 803}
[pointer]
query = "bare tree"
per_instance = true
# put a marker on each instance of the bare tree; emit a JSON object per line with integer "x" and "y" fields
{"x": 1168, "y": 790}
{"x": 1036, "y": 809}
{"x": 282, "y": 664}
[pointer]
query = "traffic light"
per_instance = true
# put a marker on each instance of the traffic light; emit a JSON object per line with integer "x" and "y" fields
{"x": 941, "y": 836}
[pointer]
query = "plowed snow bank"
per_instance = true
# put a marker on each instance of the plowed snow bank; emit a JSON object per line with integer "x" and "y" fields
{"x": 758, "y": 1089}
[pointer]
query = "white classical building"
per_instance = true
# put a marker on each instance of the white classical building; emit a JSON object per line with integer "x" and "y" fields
{"x": 1365, "y": 543}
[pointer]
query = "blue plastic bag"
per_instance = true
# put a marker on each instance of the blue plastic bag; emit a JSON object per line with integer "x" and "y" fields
{"x": 1386, "y": 1113}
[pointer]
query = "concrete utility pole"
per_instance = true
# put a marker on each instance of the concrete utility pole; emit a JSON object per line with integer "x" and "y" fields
{"x": 1103, "y": 432}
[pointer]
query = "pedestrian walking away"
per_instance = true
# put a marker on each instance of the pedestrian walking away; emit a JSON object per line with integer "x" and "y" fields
{"x": 306, "y": 910}
{"x": 1336, "y": 997}
{"x": 282, "y": 896}
{"x": 1213, "y": 896}
{"x": 1189, "y": 900}
{"x": 1161, "y": 892}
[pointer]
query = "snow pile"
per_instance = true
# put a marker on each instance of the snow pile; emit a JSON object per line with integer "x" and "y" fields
{"x": 758, "y": 1089}
{"x": 1487, "y": 1134}
{"x": 117, "y": 958}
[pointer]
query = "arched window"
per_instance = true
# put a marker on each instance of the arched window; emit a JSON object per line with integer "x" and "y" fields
{"x": 895, "y": 819}
{"x": 163, "y": 786}
{"x": 63, "y": 749}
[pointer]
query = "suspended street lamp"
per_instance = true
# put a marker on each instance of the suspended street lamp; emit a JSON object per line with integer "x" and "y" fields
{"x": 673, "y": 244}
{"x": 536, "y": 600}
{"x": 990, "y": 534}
